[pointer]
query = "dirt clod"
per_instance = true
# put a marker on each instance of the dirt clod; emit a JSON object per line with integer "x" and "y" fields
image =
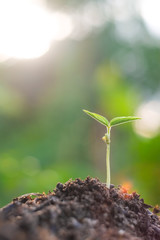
{"x": 79, "y": 210}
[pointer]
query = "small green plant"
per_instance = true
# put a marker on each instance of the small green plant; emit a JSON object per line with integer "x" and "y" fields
{"x": 107, "y": 136}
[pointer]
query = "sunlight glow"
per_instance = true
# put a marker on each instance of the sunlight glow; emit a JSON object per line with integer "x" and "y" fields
{"x": 149, "y": 126}
{"x": 150, "y": 13}
{"x": 27, "y": 28}
{"x": 126, "y": 187}
{"x": 62, "y": 26}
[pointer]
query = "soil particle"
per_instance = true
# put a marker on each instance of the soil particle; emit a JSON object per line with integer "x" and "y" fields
{"x": 79, "y": 210}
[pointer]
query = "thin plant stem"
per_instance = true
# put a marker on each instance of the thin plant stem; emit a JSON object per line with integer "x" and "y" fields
{"x": 108, "y": 178}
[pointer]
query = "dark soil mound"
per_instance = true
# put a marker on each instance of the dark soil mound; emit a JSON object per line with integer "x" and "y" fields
{"x": 79, "y": 210}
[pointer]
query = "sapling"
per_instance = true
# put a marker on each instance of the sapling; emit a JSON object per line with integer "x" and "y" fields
{"x": 107, "y": 137}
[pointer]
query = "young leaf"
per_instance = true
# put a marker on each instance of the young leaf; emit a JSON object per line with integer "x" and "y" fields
{"x": 121, "y": 120}
{"x": 98, "y": 117}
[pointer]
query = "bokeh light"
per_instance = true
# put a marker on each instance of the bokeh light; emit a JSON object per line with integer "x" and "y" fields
{"x": 150, "y": 12}
{"x": 149, "y": 126}
{"x": 27, "y": 28}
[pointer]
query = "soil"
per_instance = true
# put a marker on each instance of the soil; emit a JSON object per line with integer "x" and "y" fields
{"x": 79, "y": 210}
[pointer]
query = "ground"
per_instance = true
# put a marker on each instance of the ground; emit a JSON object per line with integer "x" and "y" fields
{"x": 79, "y": 210}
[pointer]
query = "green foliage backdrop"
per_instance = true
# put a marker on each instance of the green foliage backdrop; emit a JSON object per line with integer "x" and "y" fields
{"x": 45, "y": 137}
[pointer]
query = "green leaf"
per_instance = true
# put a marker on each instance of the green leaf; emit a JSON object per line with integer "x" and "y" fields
{"x": 121, "y": 120}
{"x": 98, "y": 117}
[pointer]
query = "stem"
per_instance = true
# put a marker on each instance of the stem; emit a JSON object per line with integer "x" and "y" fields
{"x": 108, "y": 178}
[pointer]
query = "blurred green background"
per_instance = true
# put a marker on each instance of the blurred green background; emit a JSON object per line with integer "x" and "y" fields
{"x": 59, "y": 57}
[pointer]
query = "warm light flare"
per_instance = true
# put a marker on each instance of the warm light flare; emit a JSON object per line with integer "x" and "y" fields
{"x": 61, "y": 25}
{"x": 126, "y": 187}
{"x": 27, "y": 28}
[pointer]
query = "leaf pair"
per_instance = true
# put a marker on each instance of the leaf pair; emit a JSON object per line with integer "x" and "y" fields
{"x": 115, "y": 121}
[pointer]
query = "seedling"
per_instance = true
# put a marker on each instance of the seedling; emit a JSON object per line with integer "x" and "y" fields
{"x": 107, "y": 136}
